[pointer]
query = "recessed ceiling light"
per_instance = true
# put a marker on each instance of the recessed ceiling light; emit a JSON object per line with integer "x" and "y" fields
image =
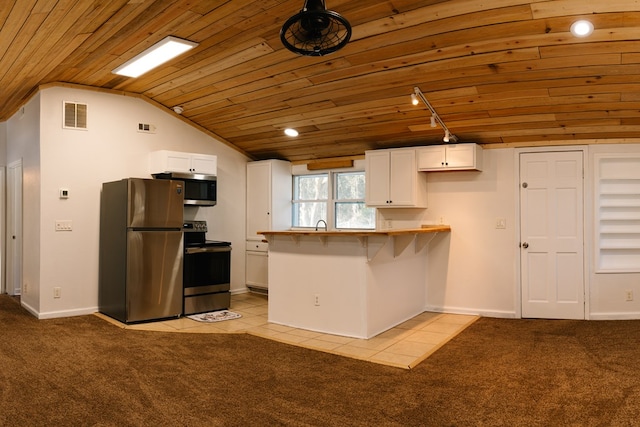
{"x": 581, "y": 28}
{"x": 161, "y": 52}
{"x": 291, "y": 132}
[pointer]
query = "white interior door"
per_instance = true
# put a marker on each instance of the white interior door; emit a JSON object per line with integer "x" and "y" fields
{"x": 14, "y": 228}
{"x": 551, "y": 235}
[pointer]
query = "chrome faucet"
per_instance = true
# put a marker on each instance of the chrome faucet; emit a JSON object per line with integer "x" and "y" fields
{"x": 325, "y": 224}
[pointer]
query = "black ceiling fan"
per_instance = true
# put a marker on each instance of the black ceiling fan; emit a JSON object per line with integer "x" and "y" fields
{"x": 315, "y": 31}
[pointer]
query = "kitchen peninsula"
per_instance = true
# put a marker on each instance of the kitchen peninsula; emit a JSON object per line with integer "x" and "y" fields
{"x": 350, "y": 283}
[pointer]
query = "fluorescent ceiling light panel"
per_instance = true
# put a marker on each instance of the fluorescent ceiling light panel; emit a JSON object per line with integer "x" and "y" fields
{"x": 161, "y": 52}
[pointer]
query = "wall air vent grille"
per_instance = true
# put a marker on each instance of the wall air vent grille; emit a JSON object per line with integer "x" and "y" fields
{"x": 75, "y": 116}
{"x": 146, "y": 128}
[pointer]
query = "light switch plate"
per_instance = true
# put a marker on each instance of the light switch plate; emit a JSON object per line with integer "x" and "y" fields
{"x": 63, "y": 225}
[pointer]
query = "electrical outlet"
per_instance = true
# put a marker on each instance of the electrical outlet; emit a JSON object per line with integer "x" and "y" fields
{"x": 316, "y": 299}
{"x": 628, "y": 295}
{"x": 25, "y": 288}
{"x": 57, "y": 292}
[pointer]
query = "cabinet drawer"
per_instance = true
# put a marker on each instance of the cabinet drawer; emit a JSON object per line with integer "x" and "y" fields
{"x": 257, "y": 246}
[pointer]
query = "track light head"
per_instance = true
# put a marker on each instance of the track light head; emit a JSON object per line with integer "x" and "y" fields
{"x": 446, "y": 136}
{"x": 433, "y": 120}
{"x": 414, "y": 99}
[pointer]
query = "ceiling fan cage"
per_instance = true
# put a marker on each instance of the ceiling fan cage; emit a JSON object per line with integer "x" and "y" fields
{"x": 315, "y": 31}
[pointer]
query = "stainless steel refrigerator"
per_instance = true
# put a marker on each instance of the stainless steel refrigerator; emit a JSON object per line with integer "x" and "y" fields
{"x": 141, "y": 249}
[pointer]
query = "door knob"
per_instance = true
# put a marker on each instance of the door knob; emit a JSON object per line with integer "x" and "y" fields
{"x": 525, "y": 185}
{"x": 525, "y": 245}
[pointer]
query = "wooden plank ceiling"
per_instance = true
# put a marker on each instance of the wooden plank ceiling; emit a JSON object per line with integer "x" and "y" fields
{"x": 497, "y": 72}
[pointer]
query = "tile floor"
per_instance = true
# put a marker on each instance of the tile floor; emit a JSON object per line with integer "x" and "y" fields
{"x": 403, "y": 346}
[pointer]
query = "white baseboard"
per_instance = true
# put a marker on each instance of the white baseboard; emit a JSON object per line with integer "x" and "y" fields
{"x": 29, "y": 308}
{"x": 65, "y": 313}
{"x": 615, "y": 316}
{"x": 473, "y": 312}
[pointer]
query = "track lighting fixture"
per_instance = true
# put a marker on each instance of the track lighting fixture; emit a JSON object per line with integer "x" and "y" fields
{"x": 417, "y": 96}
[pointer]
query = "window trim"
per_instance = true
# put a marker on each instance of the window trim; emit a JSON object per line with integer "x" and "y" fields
{"x": 294, "y": 200}
{"x": 331, "y": 200}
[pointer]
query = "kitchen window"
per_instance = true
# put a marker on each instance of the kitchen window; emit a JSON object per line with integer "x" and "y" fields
{"x": 335, "y": 197}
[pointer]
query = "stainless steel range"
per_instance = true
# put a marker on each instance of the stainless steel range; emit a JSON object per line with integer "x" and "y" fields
{"x": 206, "y": 272}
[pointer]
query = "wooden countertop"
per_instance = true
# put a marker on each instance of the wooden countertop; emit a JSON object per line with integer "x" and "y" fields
{"x": 360, "y": 233}
{"x": 401, "y": 237}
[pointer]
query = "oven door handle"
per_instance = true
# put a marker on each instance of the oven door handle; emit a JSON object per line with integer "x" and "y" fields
{"x": 208, "y": 249}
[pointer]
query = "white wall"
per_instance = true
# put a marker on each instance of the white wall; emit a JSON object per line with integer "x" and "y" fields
{"x": 111, "y": 149}
{"x": 3, "y": 143}
{"x": 472, "y": 269}
{"x": 23, "y": 142}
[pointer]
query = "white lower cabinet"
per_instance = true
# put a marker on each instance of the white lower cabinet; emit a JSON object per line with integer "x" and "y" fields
{"x": 450, "y": 157}
{"x": 257, "y": 265}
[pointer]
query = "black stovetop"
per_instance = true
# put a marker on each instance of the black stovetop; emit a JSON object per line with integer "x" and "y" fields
{"x": 195, "y": 235}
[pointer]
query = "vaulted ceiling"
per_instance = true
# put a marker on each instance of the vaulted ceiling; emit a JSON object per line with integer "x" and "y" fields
{"x": 499, "y": 72}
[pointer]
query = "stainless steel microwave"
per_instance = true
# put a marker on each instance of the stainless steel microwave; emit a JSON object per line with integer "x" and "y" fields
{"x": 199, "y": 189}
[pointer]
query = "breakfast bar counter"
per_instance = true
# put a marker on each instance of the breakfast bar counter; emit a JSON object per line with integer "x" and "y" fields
{"x": 401, "y": 237}
{"x": 349, "y": 283}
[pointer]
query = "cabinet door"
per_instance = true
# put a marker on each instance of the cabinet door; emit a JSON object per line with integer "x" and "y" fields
{"x": 377, "y": 174}
{"x": 204, "y": 164}
{"x": 257, "y": 270}
{"x": 258, "y": 198}
{"x": 173, "y": 161}
{"x": 402, "y": 178}
{"x": 431, "y": 158}
{"x": 460, "y": 156}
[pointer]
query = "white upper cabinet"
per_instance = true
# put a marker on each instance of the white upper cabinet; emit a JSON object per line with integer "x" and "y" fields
{"x": 450, "y": 157}
{"x": 268, "y": 197}
{"x": 173, "y": 161}
{"x": 393, "y": 181}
